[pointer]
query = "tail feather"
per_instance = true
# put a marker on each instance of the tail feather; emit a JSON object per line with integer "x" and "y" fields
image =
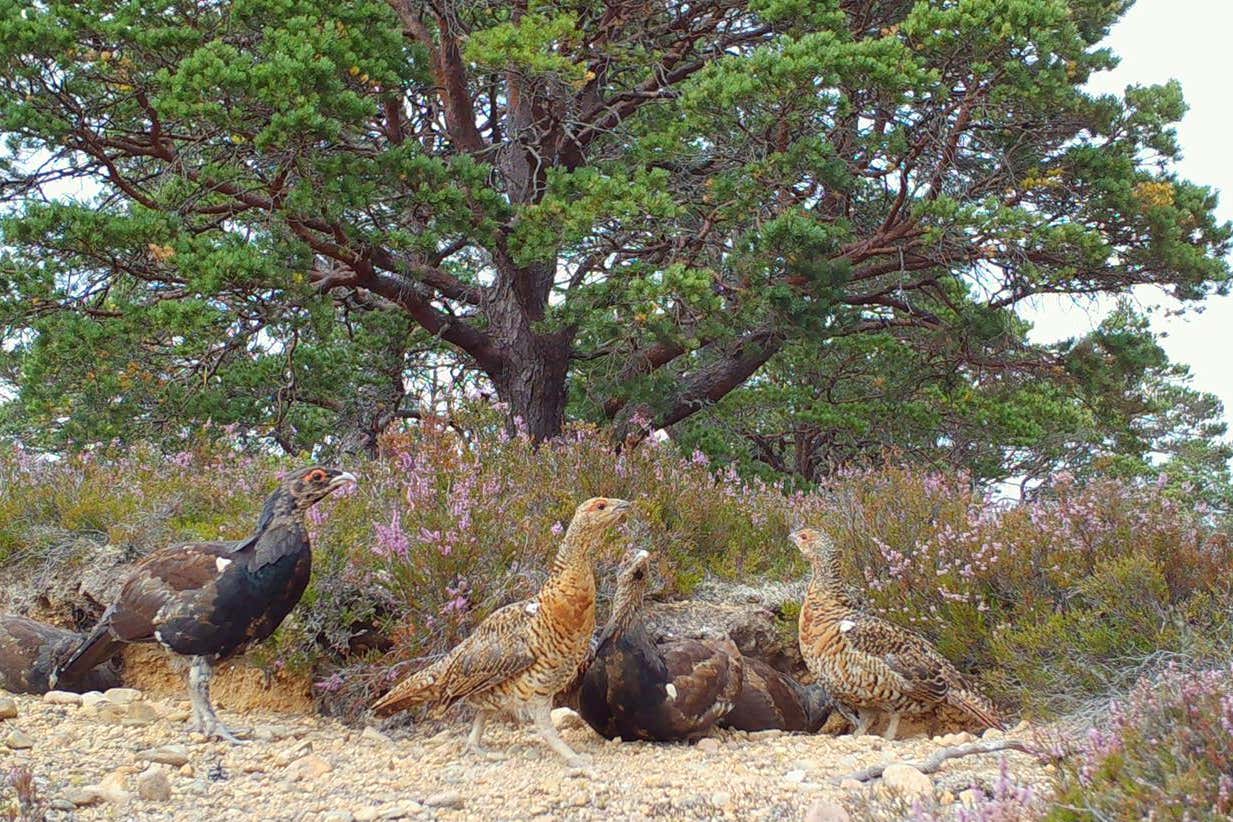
{"x": 417, "y": 689}
{"x": 96, "y": 648}
{"x": 978, "y": 707}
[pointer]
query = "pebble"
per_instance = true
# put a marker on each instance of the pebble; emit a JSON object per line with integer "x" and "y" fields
{"x": 824, "y": 811}
{"x": 708, "y": 744}
{"x": 992, "y": 733}
{"x": 850, "y": 784}
{"x": 721, "y": 799}
{"x": 62, "y": 805}
{"x": 565, "y": 718}
{"x": 371, "y": 734}
{"x": 153, "y": 784}
{"x": 175, "y": 755}
{"x": 946, "y": 798}
{"x": 91, "y": 699}
{"x": 445, "y": 799}
{"x": 906, "y": 781}
{"x": 337, "y": 816}
{"x": 8, "y": 708}
{"x": 18, "y": 741}
{"x": 62, "y": 698}
{"x": 968, "y": 798}
{"x": 308, "y": 767}
{"x": 794, "y": 777}
{"x": 138, "y": 714}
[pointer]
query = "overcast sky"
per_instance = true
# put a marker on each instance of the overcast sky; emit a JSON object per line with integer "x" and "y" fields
{"x": 1186, "y": 40}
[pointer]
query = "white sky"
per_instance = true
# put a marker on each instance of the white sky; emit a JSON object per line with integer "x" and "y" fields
{"x": 1186, "y": 40}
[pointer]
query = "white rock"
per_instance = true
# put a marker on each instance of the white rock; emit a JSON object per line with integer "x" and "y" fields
{"x": 153, "y": 784}
{"x": 174, "y": 755}
{"x": 563, "y": 718}
{"x": 906, "y": 781}
{"x": 708, "y": 744}
{"x": 337, "y": 816}
{"x": 721, "y": 799}
{"x": 371, "y": 734}
{"x": 823, "y": 811}
{"x": 8, "y": 707}
{"x": 122, "y": 696}
{"x": 794, "y": 777}
{"x": 850, "y": 784}
{"x": 18, "y": 741}
{"x": 62, "y": 698}
{"x": 367, "y": 814}
{"x": 444, "y": 799}
{"x": 91, "y": 699}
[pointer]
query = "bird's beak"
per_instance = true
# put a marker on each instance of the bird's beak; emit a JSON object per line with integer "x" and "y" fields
{"x": 623, "y": 505}
{"x": 341, "y": 480}
{"x": 642, "y": 555}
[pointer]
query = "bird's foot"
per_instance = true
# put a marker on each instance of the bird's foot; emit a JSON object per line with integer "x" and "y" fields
{"x": 580, "y": 761}
{"x": 221, "y": 732}
{"x": 479, "y": 751}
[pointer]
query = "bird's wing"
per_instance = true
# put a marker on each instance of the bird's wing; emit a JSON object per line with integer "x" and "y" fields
{"x": 927, "y": 675}
{"x": 175, "y": 581}
{"x": 705, "y": 679}
{"x": 494, "y": 652}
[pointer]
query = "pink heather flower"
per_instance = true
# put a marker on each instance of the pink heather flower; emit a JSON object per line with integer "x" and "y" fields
{"x": 391, "y": 539}
{"x": 699, "y": 458}
{"x": 557, "y": 528}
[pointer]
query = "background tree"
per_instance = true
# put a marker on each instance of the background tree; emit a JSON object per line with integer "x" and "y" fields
{"x": 629, "y": 206}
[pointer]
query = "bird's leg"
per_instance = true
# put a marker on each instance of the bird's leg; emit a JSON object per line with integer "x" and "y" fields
{"x": 473, "y": 738}
{"x": 892, "y": 727}
{"x": 199, "y": 674}
{"x": 866, "y": 718}
{"x": 541, "y": 714}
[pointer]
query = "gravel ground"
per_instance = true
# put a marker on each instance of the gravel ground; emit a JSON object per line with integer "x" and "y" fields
{"x": 92, "y": 760}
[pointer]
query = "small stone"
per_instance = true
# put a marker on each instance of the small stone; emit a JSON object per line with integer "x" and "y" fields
{"x": 366, "y": 814}
{"x": 823, "y": 811}
{"x": 122, "y": 696}
{"x": 721, "y": 799}
{"x": 153, "y": 784}
{"x": 138, "y": 714}
{"x": 18, "y": 741}
{"x": 445, "y": 799}
{"x": 968, "y": 798}
{"x": 708, "y": 744}
{"x": 62, "y": 698}
{"x": 91, "y": 699}
{"x": 906, "y": 781}
{"x": 174, "y": 755}
{"x": 62, "y": 805}
{"x": 770, "y": 733}
{"x": 563, "y": 718}
{"x": 850, "y": 784}
{"x": 992, "y": 733}
{"x": 8, "y": 707}
{"x": 794, "y": 777}
{"x": 108, "y": 711}
{"x": 186, "y": 770}
{"x": 371, "y": 734}
{"x": 337, "y": 816}
{"x": 176, "y": 715}
{"x": 308, "y": 767}
{"x": 946, "y": 798}
{"x": 81, "y": 797}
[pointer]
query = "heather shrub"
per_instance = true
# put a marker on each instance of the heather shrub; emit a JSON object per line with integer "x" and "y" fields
{"x": 1050, "y": 602}
{"x": 1165, "y": 752}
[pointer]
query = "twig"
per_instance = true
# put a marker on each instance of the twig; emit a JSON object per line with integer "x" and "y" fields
{"x": 933, "y": 763}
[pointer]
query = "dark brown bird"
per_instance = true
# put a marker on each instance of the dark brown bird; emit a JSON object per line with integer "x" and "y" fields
{"x": 211, "y": 600}
{"x": 770, "y": 699}
{"x": 30, "y": 650}
{"x": 638, "y": 689}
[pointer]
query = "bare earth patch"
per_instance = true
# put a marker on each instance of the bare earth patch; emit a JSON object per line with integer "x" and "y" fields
{"x": 106, "y": 759}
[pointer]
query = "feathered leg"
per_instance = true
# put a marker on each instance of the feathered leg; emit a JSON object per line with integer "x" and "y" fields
{"x": 866, "y": 718}
{"x": 892, "y": 727}
{"x": 204, "y": 719}
{"x": 541, "y": 714}
{"x": 473, "y": 739}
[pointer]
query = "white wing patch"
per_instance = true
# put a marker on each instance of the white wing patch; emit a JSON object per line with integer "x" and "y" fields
{"x": 671, "y": 689}
{"x": 532, "y": 608}
{"x": 846, "y": 625}
{"x": 221, "y": 564}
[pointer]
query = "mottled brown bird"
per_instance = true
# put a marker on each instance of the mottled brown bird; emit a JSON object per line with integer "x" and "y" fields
{"x": 869, "y": 664}
{"x": 211, "y": 600}
{"x": 518, "y": 658}
{"x": 30, "y": 650}
{"x": 772, "y": 700}
{"x": 635, "y": 688}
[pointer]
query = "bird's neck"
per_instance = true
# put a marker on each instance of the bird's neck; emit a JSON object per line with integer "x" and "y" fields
{"x": 281, "y": 528}
{"x": 572, "y": 568}
{"x": 825, "y": 581}
{"x": 625, "y": 613}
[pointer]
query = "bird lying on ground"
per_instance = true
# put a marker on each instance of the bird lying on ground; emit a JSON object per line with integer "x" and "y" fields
{"x": 635, "y": 688}
{"x": 524, "y": 653}
{"x": 211, "y": 600}
{"x": 770, "y": 699}
{"x": 30, "y": 650}
{"x": 869, "y": 664}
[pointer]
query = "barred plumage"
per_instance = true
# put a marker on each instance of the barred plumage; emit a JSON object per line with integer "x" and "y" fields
{"x": 524, "y": 653}
{"x": 869, "y": 664}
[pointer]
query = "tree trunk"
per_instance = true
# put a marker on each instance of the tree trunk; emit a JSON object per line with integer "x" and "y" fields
{"x": 533, "y": 382}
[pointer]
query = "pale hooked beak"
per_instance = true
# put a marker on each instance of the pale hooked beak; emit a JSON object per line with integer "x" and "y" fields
{"x": 623, "y": 505}
{"x": 341, "y": 480}
{"x": 642, "y": 555}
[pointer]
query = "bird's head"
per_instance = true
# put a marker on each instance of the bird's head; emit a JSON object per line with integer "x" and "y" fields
{"x": 634, "y": 573}
{"x": 308, "y": 486}
{"x": 813, "y": 543}
{"x": 598, "y": 514}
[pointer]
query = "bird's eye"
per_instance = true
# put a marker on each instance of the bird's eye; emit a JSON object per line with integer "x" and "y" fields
{"x": 638, "y": 575}
{"x": 601, "y": 506}
{"x": 316, "y": 475}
